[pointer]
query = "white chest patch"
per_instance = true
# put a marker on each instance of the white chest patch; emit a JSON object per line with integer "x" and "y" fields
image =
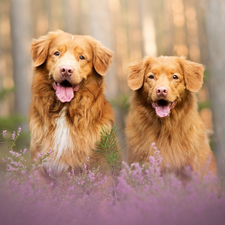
{"x": 62, "y": 136}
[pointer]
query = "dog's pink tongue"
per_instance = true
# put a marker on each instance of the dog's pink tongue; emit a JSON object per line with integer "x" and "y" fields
{"x": 64, "y": 94}
{"x": 162, "y": 111}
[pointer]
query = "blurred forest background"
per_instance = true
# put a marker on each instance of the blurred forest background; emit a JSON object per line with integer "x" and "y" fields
{"x": 132, "y": 29}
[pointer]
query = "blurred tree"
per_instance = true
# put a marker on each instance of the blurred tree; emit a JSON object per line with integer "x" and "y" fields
{"x": 203, "y": 45}
{"x": 6, "y": 77}
{"x": 149, "y": 47}
{"x": 100, "y": 23}
{"x": 101, "y": 28}
{"x": 120, "y": 55}
{"x": 1, "y": 74}
{"x": 135, "y": 46}
{"x": 215, "y": 21}
{"x": 71, "y": 15}
{"x": 192, "y": 29}
{"x": 21, "y": 36}
{"x": 162, "y": 13}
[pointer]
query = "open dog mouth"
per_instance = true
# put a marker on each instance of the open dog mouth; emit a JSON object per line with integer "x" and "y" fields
{"x": 163, "y": 107}
{"x": 65, "y": 90}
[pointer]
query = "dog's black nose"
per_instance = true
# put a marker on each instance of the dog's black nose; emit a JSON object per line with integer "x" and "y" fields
{"x": 162, "y": 91}
{"x": 66, "y": 70}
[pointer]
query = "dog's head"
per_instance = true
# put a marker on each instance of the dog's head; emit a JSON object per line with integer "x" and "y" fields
{"x": 69, "y": 60}
{"x": 164, "y": 81}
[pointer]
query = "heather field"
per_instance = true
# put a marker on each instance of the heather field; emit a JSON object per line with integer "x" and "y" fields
{"x": 116, "y": 194}
{"x": 138, "y": 195}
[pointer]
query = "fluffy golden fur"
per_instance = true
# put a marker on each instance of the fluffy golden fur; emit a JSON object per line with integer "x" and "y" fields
{"x": 68, "y": 107}
{"x": 164, "y": 111}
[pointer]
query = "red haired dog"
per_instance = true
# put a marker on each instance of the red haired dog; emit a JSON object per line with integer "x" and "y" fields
{"x": 164, "y": 111}
{"x": 68, "y": 107}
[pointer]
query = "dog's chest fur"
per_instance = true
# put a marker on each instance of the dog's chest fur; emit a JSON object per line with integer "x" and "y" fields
{"x": 62, "y": 135}
{"x": 61, "y": 145}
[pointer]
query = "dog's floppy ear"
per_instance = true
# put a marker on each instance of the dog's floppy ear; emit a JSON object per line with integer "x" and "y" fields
{"x": 135, "y": 76}
{"x": 193, "y": 74}
{"x": 102, "y": 56}
{"x": 39, "y": 48}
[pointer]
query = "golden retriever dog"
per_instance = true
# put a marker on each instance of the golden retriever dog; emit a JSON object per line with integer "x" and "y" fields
{"x": 164, "y": 111}
{"x": 68, "y": 107}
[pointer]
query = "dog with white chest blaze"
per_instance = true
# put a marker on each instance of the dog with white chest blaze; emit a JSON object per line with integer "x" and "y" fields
{"x": 68, "y": 107}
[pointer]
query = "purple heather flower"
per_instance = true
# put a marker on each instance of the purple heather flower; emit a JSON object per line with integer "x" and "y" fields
{"x": 13, "y": 135}
{"x": 71, "y": 188}
{"x": 35, "y": 173}
{"x": 4, "y": 133}
{"x": 14, "y": 163}
{"x": 10, "y": 168}
{"x": 12, "y": 152}
{"x": 50, "y": 151}
{"x": 24, "y": 151}
{"x": 85, "y": 167}
{"x": 39, "y": 155}
{"x": 152, "y": 159}
{"x": 157, "y": 152}
{"x": 69, "y": 175}
{"x": 91, "y": 176}
{"x": 17, "y": 154}
{"x": 49, "y": 170}
{"x": 153, "y": 146}
{"x": 19, "y": 130}
{"x": 3, "y": 160}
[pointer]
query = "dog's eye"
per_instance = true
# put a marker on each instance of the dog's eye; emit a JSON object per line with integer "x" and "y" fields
{"x": 56, "y": 53}
{"x": 175, "y": 77}
{"x": 82, "y": 57}
{"x": 151, "y": 76}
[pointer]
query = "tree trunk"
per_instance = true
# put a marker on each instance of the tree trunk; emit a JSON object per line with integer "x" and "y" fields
{"x": 215, "y": 21}
{"x": 20, "y": 34}
{"x": 100, "y": 28}
{"x": 100, "y": 23}
{"x": 71, "y": 15}
{"x": 147, "y": 27}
